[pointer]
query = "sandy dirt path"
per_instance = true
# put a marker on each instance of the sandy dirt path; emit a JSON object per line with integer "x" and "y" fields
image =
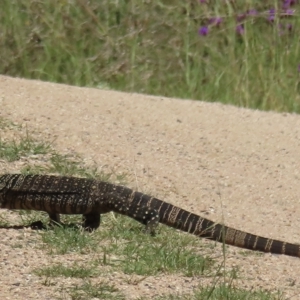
{"x": 237, "y": 165}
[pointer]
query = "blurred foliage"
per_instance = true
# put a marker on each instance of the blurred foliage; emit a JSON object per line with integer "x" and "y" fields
{"x": 249, "y": 55}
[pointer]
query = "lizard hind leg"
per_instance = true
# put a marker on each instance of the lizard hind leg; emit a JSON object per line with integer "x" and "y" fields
{"x": 91, "y": 221}
{"x": 145, "y": 215}
{"x": 141, "y": 213}
{"x": 150, "y": 218}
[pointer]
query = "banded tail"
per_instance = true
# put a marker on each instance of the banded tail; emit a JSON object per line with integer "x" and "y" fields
{"x": 91, "y": 198}
{"x": 183, "y": 220}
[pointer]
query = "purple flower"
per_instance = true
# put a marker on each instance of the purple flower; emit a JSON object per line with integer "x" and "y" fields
{"x": 241, "y": 17}
{"x": 240, "y": 29}
{"x": 202, "y": 1}
{"x": 215, "y": 21}
{"x": 252, "y": 12}
{"x": 289, "y": 27}
{"x": 283, "y": 29}
{"x": 272, "y": 13}
{"x": 289, "y": 12}
{"x": 288, "y": 3}
{"x": 203, "y": 31}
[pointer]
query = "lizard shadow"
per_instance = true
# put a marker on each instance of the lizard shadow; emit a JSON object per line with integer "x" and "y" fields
{"x": 39, "y": 225}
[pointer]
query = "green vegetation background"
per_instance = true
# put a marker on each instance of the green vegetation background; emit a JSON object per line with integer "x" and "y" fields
{"x": 154, "y": 47}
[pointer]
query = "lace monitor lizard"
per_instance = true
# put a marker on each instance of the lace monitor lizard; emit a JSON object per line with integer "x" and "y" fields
{"x": 70, "y": 195}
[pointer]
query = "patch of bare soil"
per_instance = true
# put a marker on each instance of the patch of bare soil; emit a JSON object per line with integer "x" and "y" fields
{"x": 232, "y": 165}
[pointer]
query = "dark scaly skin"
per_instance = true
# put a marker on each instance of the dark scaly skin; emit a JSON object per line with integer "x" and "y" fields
{"x": 70, "y": 195}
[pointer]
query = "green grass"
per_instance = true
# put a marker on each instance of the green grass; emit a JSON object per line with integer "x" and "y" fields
{"x": 124, "y": 247}
{"x": 119, "y": 244}
{"x": 173, "y": 252}
{"x": 95, "y": 291}
{"x": 65, "y": 240}
{"x": 66, "y": 165}
{"x": 52, "y": 162}
{"x": 69, "y": 166}
{"x": 74, "y": 271}
{"x": 27, "y": 146}
{"x": 221, "y": 292}
{"x": 154, "y": 47}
